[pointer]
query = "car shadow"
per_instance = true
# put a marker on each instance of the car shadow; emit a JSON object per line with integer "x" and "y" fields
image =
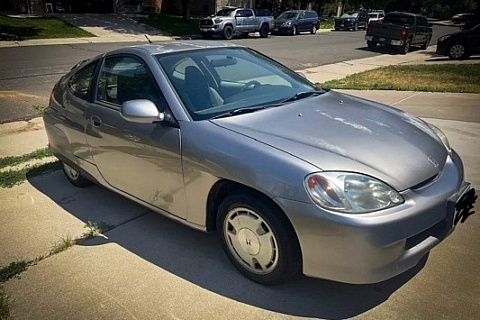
{"x": 392, "y": 50}
{"x": 198, "y": 257}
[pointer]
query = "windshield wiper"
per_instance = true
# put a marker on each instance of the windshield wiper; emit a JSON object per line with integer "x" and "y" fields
{"x": 238, "y": 111}
{"x": 304, "y": 94}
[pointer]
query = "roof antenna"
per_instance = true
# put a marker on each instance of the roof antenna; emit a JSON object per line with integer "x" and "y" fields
{"x": 149, "y": 41}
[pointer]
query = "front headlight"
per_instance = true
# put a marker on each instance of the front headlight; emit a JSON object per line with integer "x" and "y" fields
{"x": 350, "y": 192}
{"x": 287, "y": 24}
{"x": 441, "y": 136}
{"x": 441, "y": 39}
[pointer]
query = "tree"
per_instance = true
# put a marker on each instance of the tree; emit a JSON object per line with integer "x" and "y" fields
{"x": 186, "y": 10}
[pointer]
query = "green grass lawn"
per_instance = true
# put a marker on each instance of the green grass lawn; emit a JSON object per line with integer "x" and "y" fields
{"x": 38, "y": 28}
{"x": 460, "y": 78}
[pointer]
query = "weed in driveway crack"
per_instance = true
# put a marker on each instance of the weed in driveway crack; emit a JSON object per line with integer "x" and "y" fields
{"x": 12, "y": 177}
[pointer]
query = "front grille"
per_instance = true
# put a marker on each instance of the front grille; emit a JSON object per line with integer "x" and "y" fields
{"x": 206, "y": 22}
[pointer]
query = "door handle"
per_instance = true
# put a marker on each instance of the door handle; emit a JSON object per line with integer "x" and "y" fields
{"x": 95, "y": 121}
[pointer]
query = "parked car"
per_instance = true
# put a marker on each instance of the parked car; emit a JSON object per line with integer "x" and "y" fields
{"x": 295, "y": 21}
{"x": 375, "y": 16}
{"x": 460, "y": 45}
{"x": 353, "y": 191}
{"x": 400, "y": 29}
{"x": 229, "y": 21}
{"x": 462, "y": 18}
{"x": 352, "y": 20}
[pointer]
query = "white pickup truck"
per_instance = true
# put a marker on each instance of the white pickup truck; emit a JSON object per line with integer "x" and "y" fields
{"x": 229, "y": 21}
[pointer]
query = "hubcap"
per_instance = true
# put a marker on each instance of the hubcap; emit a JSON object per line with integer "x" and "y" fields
{"x": 72, "y": 173}
{"x": 457, "y": 51}
{"x": 251, "y": 241}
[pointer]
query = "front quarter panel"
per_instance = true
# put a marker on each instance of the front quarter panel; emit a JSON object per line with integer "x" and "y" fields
{"x": 212, "y": 153}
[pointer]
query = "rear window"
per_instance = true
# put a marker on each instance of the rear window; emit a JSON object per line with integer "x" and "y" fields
{"x": 399, "y": 19}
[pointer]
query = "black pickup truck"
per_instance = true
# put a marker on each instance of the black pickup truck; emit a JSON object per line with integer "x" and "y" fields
{"x": 400, "y": 29}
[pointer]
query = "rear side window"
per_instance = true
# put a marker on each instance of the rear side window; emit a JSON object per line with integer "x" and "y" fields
{"x": 421, "y": 21}
{"x": 80, "y": 82}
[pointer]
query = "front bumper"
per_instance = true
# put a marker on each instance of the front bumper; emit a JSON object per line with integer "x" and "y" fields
{"x": 344, "y": 25}
{"x": 373, "y": 247}
{"x": 441, "y": 48}
{"x": 282, "y": 30}
{"x": 391, "y": 42}
{"x": 215, "y": 29}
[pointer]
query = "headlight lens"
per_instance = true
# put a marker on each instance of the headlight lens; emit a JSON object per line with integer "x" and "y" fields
{"x": 441, "y": 136}
{"x": 287, "y": 24}
{"x": 443, "y": 38}
{"x": 350, "y": 192}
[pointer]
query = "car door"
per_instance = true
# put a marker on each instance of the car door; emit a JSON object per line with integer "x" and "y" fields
{"x": 140, "y": 159}
{"x": 421, "y": 33}
{"x": 301, "y": 21}
{"x": 250, "y": 20}
{"x": 363, "y": 19}
{"x": 474, "y": 40}
{"x": 241, "y": 21}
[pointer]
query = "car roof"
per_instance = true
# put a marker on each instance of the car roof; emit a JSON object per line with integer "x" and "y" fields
{"x": 175, "y": 46}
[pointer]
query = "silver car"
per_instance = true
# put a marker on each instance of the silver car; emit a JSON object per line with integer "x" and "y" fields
{"x": 291, "y": 177}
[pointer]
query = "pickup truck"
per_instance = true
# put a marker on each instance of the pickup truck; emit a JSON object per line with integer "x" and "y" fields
{"x": 400, "y": 29}
{"x": 229, "y": 21}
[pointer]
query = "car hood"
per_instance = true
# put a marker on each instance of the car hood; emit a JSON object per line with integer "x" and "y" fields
{"x": 460, "y": 33}
{"x": 341, "y": 132}
{"x": 283, "y": 20}
{"x": 346, "y": 19}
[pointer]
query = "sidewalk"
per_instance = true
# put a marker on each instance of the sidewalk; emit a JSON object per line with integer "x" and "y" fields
{"x": 149, "y": 267}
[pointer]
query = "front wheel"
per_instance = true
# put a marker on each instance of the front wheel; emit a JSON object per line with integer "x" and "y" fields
{"x": 258, "y": 239}
{"x": 355, "y": 27}
{"x": 294, "y": 30}
{"x": 314, "y": 29}
{"x": 264, "y": 30}
{"x": 74, "y": 176}
{"x": 228, "y": 32}
{"x": 457, "y": 51}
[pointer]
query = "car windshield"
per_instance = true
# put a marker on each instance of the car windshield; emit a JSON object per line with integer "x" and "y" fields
{"x": 288, "y": 15}
{"x": 225, "y": 12}
{"x": 213, "y": 82}
{"x": 373, "y": 15}
{"x": 349, "y": 15}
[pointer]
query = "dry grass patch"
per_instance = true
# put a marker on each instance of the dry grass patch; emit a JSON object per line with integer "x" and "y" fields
{"x": 462, "y": 78}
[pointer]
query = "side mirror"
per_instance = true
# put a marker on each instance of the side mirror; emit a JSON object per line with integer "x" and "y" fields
{"x": 141, "y": 111}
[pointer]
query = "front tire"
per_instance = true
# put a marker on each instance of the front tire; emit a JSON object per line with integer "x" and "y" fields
{"x": 458, "y": 51}
{"x": 228, "y": 32}
{"x": 74, "y": 176}
{"x": 371, "y": 44}
{"x": 258, "y": 239}
{"x": 314, "y": 29}
{"x": 294, "y": 31}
